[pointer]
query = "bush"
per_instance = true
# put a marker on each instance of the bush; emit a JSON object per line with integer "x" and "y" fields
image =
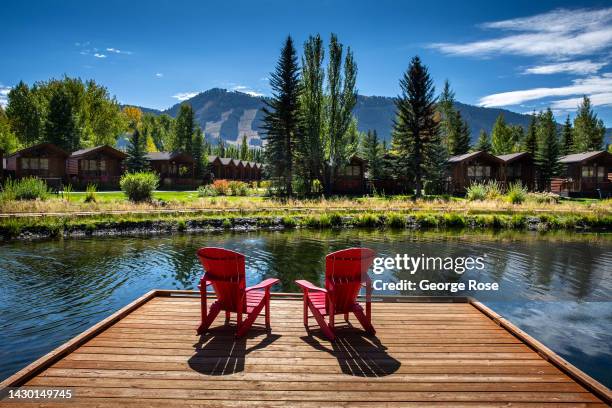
{"x": 493, "y": 190}
{"x": 28, "y": 188}
{"x": 476, "y": 192}
{"x": 544, "y": 198}
{"x": 207, "y": 191}
{"x": 221, "y": 186}
{"x": 238, "y": 188}
{"x": 517, "y": 193}
{"x": 139, "y": 186}
{"x": 90, "y": 193}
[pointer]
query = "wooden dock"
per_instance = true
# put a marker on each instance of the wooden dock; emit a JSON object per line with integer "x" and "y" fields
{"x": 428, "y": 352}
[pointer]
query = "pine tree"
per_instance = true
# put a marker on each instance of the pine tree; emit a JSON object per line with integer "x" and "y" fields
{"x": 137, "y": 153}
{"x": 517, "y": 135}
{"x": 281, "y": 117}
{"x": 184, "y": 129}
{"x": 484, "y": 142}
{"x": 60, "y": 126}
{"x": 244, "y": 148}
{"x": 501, "y": 137}
{"x": 436, "y": 165}
{"x": 567, "y": 137}
{"x": 530, "y": 142}
{"x": 415, "y": 126}
{"x": 446, "y": 110}
{"x": 459, "y": 143}
{"x": 547, "y": 155}
{"x": 372, "y": 152}
{"x": 198, "y": 153}
{"x": 589, "y": 131}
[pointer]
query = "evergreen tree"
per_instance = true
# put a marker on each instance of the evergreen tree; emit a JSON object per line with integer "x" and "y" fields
{"x": 198, "y": 153}
{"x": 310, "y": 146}
{"x": 436, "y": 166}
{"x": 340, "y": 100}
{"x": 459, "y": 141}
{"x": 60, "y": 125}
{"x": 517, "y": 135}
{"x": 184, "y": 129}
{"x": 501, "y": 137}
{"x": 281, "y": 117}
{"x": 24, "y": 114}
{"x": 530, "y": 142}
{"x": 484, "y": 142}
{"x": 415, "y": 126}
{"x": 446, "y": 110}
{"x": 547, "y": 155}
{"x": 567, "y": 137}
{"x": 137, "y": 153}
{"x": 589, "y": 131}
{"x": 371, "y": 151}
{"x": 244, "y": 148}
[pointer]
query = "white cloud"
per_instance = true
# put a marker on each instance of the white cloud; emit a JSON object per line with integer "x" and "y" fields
{"x": 246, "y": 90}
{"x": 4, "y": 91}
{"x": 574, "y": 67}
{"x": 598, "y": 88}
{"x": 598, "y": 99}
{"x": 118, "y": 51}
{"x": 159, "y": 75}
{"x": 559, "y": 33}
{"x": 97, "y": 55}
{"x": 182, "y": 96}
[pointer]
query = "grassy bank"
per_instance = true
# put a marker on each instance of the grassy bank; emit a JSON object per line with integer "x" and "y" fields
{"x": 67, "y": 226}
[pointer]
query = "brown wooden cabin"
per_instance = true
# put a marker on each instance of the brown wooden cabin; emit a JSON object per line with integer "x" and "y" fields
{"x": 1, "y": 164}
{"x": 241, "y": 170}
{"x": 587, "y": 174}
{"x": 175, "y": 169}
{"x": 100, "y": 165}
{"x": 471, "y": 168}
{"x": 45, "y": 161}
{"x": 350, "y": 179}
{"x": 518, "y": 167}
{"x": 248, "y": 171}
{"x": 232, "y": 169}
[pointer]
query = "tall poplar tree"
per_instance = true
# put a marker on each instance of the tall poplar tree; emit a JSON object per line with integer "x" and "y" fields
{"x": 281, "y": 117}
{"x": 547, "y": 155}
{"x": 415, "y": 126}
{"x": 589, "y": 131}
{"x": 24, "y": 114}
{"x": 184, "y": 129}
{"x": 244, "y": 148}
{"x": 60, "y": 125}
{"x": 198, "y": 153}
{"x": 567, "y": 137}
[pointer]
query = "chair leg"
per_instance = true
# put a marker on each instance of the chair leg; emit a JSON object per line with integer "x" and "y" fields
{"x": 210, "y": 317}
{"x": 327, "y": 331}
{"x": 268, "y": 311}
{"x": 365, "y": 322}
{"x": 306, "y": 310}
{"x": 346, "y": 317}
{"x": 244, "y": 327}
{"x": 227, "y": 317}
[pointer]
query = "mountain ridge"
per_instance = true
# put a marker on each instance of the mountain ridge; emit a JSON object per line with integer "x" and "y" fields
{"x": 229, "y": 115}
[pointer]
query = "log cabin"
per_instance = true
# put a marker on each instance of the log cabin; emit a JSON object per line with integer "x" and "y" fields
{"x": 45, "y": 161}
{"x": 518, "y": 167}
{"x": 471, "y": 168}
{"x": 100, "y": 165}
{"x": 585, "y": 174}
{"x": 229, "y": 168}
{"x": 350, "y": 179}
{"x": 175, "y": 169}
{"x": 1, "y": 164}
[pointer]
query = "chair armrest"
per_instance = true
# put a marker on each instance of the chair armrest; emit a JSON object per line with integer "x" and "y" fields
{"x": 305, "y": 285}
{"x": 263, "y": 285}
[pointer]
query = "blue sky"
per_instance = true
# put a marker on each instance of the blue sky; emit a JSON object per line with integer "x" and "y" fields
{"x": 519, "y": 55}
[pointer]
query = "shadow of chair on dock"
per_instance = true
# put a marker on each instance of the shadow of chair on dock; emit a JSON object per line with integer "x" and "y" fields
{"x": 358, "y": 353}
{"x": 219, "y": 352}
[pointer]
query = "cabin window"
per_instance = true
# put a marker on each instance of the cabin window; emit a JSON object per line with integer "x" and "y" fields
{"x": 44, "y": 164}
{"x": 350, "y": 171}
{"x": 594, "y": 172}
{"x": 479, "y": 171}
{"x": 25, "y": 163}
{"x": 514, "y": 171}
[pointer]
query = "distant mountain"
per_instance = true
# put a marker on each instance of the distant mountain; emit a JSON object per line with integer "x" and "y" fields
{"x": 230, "y": 115}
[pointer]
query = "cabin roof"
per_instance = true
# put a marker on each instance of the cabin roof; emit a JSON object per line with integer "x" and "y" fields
{"x": 167, "y": 156}
{"x": 509, "y": 158}
{"x": 473, "y": 155}
{"x": 49, "y": 146}
{"x": 580, "y": 157}
{"x": 108, "y": 149}
{"x": 227, "y": 160}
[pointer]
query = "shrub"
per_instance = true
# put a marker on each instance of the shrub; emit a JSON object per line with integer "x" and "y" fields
{"x": 207, "y": 191}
{"x": 28, "y": 188}
{"x": 516, "y": 193}
{"x": 544, "y": 198}
{"x": 67, "y": 191}
{"x": 238, "y": 188}
{"x": 139, "y": 186}
{"x": 476, "y": 191}
{"x": 493, "y": 190}
{"x": 90, "y": 193}
{"x": 221, "y": 186}
{"x": 395, "y": 220}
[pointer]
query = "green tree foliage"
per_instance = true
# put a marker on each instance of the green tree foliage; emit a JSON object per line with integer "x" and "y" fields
{"x": 372, "y": 151}
{"x": 201, "y": 162}
{"x": 501, "y": 137}
{"x": 484, "y": 142}
{"x": 547, "y": 155}
{"x": 415, "y": 127}
{"x": 60, "y": 124}
{"x": 530, "y": 142}
{"x": 184, "y": 129}
{"x": 244, "y": 148}
{"x": 281, "y": 117}
{"x": 24, "y": 113}
{"x": 589, "y": 131}
{"x": 137, "y": 153}
{"x": 310, "y": 146}
{"x": 436, "y": 165}
{"x": 340, "y": 100}
{"x": 517, "y": 134}
{"x": 446, "y": 109}
{"x": 8, "y": 141}
{"x": 459, "y": 137}
{"x": 567, "y": 137}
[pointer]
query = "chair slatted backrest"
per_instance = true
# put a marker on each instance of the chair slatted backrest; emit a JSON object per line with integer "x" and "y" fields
{"x": 345, "y": 272}
{"x": 225, "y": 269}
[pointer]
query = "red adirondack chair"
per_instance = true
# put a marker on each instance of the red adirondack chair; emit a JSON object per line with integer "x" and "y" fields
{"x": 224, "y": 270}
{"x": 345, "y": 274}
